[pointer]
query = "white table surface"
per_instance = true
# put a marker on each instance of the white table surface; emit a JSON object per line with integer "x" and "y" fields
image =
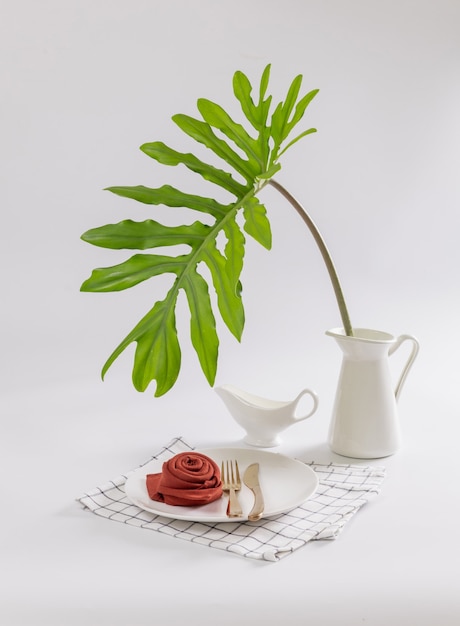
{"x": 396, "y": 561}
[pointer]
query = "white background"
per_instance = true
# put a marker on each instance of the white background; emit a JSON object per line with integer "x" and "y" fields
{"x": 83, "y": 85}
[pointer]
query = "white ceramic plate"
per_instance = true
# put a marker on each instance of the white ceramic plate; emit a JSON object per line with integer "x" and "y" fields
{"x": 285, "y": 483}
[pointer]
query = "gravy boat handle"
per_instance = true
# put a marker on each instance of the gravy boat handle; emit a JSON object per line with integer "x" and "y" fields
{"x": 309, "y": 392}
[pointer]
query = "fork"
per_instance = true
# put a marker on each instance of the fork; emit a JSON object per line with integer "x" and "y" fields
{"x": 231, "y": 482}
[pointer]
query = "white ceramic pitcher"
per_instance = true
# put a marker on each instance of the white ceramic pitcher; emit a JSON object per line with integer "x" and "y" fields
{"x": 365, "y": 421}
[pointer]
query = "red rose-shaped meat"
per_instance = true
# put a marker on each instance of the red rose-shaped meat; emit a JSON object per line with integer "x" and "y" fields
{"x": 187, "y": 479}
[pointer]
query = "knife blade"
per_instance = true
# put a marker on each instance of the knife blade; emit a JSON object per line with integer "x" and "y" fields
{"x": 251, "y": 480}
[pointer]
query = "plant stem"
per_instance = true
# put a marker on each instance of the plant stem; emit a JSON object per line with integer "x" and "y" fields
{"x": 324, "y": 253}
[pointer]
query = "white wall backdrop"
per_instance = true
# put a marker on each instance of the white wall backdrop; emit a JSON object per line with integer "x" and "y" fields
{"x": 85, "y": 82}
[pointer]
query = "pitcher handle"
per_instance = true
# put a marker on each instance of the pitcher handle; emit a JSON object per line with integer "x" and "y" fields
{"x": 415, "y": 348}
{"x": 315, "y": 404}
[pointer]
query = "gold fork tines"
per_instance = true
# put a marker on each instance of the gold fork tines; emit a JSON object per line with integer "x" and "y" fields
{"x": 231, "y": 482}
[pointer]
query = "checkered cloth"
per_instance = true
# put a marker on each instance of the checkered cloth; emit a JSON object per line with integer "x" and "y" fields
{"x": 342, "y": 491}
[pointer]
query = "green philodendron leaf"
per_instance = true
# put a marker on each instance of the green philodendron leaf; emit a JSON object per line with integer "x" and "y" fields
{"x": 167, "y": 156}
{"x": 202, "y": 132}
{"x": 301, "y": 136}
{"x": 264, "y": 80}
{"x": 301, "y": 108}
{"x": 202, "y": 324}
{"x": 130, "y": 235}
{"x": 271, "y": 171}
{"x": 291, "y": 97}
{"x": 228, "y": 299}
{"x": 170, "y": 197}
{"x": 135, "y": 270}
{"x": 280, "y": 118}
{"x": 256, "y": 114}
{"x": 234, "y": 253}
{"x": 256, "y": 223}
{"x": 242, "y": 89}
{"x": 215, "y": 116}
{"x": 158, "y": 354}
{"x": 251, "y": 160}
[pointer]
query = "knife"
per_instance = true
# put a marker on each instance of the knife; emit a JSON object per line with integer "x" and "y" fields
{"x": 251, "y": 480}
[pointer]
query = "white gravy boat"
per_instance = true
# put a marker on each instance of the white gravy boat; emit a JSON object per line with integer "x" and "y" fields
{"x": 263, "y": 419}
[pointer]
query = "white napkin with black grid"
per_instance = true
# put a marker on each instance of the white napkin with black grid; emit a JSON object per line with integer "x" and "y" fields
{"x": 342, "y": 491}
